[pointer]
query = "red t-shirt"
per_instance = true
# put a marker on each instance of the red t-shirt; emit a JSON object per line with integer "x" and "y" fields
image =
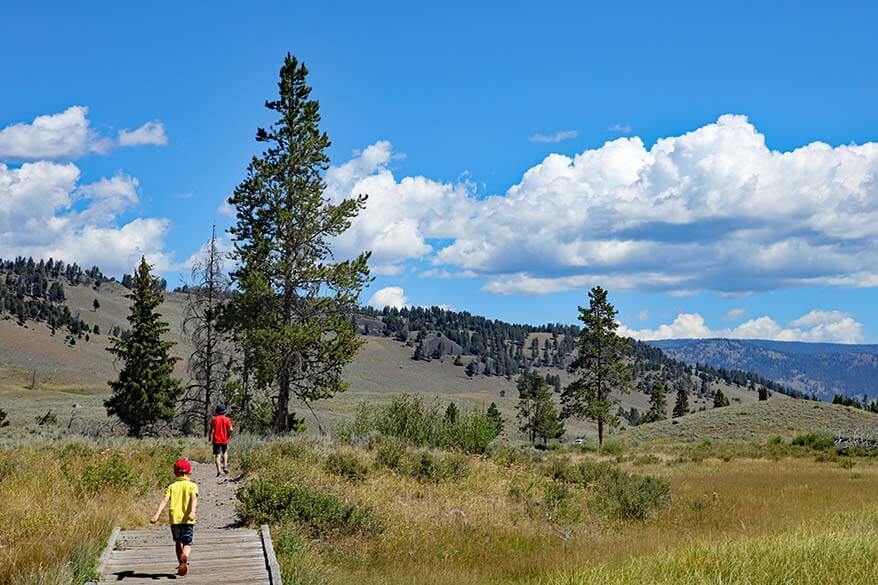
{"x": 221, "y": 427}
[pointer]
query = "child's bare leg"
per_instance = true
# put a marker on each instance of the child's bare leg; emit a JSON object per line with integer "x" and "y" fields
{"x": 187, "y": 549}
{"x": 218, "y": 462}
{"x": 226, "y": 460}
{"x": 179, "y": 548}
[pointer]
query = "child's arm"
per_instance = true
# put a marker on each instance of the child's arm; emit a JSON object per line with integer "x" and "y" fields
{"x": 193, "y": 505}
{"x": 162, "y": 504}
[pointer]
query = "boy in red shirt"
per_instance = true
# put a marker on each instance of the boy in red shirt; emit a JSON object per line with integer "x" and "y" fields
{"x": 220, "y": 432}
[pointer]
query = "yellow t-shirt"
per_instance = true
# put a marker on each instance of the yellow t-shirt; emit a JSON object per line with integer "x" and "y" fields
{"x": 180, "y": 493}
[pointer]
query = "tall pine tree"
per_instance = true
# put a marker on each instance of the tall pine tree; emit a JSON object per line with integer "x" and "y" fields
{"x": 303, "y": 337}
{"x": 146, "y": 391}
{"x": 600, "y": 365}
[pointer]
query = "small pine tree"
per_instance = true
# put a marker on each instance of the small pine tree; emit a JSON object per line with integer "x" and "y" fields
{"x": 681, "y": 406}
{"x": 145, "y": 391}
{"x": 472, "y": 368}
{"x": 658, "y": 406}
{"x": 537, "y": 414}
{"x": 495, "y": 417}
{"x": 763, "y": 393}
{"x": 5, "y": 423}
{"x": 720, "y": 400}
{"x": 458, "y": 361}
{"x": 418, "y": 355}
{"x": 95, "y": 305}
{"x": 451, "y": 413}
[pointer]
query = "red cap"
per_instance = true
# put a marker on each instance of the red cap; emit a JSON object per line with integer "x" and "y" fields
{"x": 181, "y": 466}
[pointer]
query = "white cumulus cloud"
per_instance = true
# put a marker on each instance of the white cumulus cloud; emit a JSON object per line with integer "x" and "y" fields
{"x": 826, "y": 326}
{"x": 68, "y": 135}
{"x": 389, "y": 296}
{"x": 150, "y": 133}
{"x": 401, "y": 216}
{"x": 711, "y": 209}
{"x": 45, "y": 212}
{"x": 57, "y": 136}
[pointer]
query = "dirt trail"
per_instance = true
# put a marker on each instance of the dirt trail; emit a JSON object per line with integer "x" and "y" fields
{"x": 216, "y": 497}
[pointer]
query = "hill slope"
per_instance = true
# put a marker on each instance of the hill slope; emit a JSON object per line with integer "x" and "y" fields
{"x": 758, "y": 421}
{"x": 819, "y": 368}
{"x": 467, "y": 358}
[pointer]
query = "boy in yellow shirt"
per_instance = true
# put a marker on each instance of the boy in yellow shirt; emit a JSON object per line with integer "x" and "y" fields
{"x": 183, "y": 498}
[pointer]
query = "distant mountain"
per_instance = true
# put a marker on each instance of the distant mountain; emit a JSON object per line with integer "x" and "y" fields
{"x": 819, "y": 368}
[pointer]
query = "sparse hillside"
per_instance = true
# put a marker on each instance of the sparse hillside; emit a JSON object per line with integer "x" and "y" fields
{"x": 758, "y": 421}
{"x": 466, "y": 358}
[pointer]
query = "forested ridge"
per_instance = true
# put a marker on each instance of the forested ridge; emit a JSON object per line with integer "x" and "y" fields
{"x": 34, "y": 291}
{"x": 491, "y": 347}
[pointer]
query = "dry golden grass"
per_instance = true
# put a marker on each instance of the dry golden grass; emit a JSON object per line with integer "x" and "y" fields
{"x": 474, "y": 530}
{"x": 60, "y": 502}
{"x": 743, "y": 521}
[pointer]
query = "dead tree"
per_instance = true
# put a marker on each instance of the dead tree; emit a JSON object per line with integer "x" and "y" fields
{"x": 206, "y": 297}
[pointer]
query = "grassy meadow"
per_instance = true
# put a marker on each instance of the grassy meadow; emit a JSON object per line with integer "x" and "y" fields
{"x": 377, "y": 509}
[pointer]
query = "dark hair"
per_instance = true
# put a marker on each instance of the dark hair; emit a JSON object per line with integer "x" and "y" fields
{"x": 220, "y": 408}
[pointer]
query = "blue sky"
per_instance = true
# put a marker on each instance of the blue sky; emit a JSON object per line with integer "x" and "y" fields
{"x": 442, "y": 111}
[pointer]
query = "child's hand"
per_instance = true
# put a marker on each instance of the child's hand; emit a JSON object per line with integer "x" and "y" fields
{"x": 192, "y": 516}
{"x": 154, "y": 519}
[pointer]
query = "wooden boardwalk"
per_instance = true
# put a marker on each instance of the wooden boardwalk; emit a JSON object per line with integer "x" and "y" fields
{"x": 227, "y": 556}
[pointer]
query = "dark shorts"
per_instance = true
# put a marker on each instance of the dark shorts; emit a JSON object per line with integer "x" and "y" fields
{"x": 217, "y": 448}
{"x": 183, "y": 533}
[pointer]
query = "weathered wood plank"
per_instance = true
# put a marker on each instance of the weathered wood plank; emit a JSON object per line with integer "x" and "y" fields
{"x": 234, "y": 556}
{"x": 270, "y": 558}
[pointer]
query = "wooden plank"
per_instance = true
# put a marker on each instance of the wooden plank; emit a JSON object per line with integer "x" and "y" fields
{"x": 235, "y": 556}
{"x": 274, "y": 575}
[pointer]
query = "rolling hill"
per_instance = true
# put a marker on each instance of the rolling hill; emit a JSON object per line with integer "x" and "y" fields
{"x": 823, "y": 369}
{"x": 53, "y": 353}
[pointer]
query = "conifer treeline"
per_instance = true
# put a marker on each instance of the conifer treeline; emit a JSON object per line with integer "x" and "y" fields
{"x": 508, "y": 349}
{"x": 34, "y": 291}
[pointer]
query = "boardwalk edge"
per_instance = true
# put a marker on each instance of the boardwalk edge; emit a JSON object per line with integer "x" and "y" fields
{"x": 270, "y": 557}
{"x": 108, "y": 551}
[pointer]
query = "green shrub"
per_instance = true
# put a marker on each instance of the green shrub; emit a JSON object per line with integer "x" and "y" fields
{"x": 560, "y": 505}
{"x": 113, "y": 473}
{"x": 510, "y": 456}
{"x": 617, "y": 492}
{"x": 613, "y": 448}
{"x": 390, "y": 452}
{"x": 48, "y": 419}
{"x": 420, "y": 425}
{"x": 816, "y": 441}
{"x": 847, "y": 463}
{"x": 427, "y": 466}
{"x": 269, "y": 455}
{"x": 648, "y": 459}
{"x": 322, "y": 515}
{"x": 347, "y": 464}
